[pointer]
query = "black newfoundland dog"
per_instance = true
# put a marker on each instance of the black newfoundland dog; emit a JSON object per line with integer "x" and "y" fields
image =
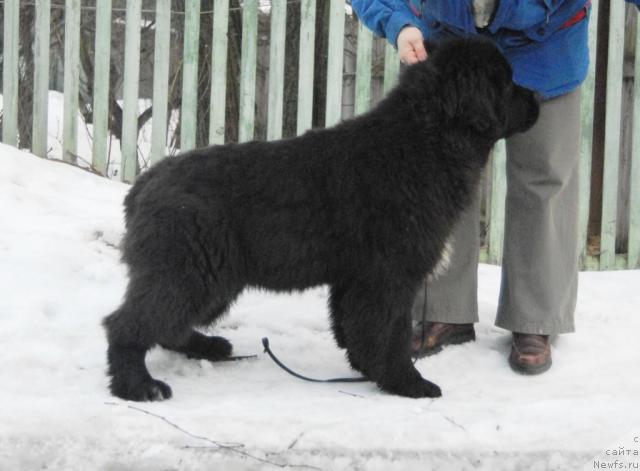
{"x": 364, "y": 207}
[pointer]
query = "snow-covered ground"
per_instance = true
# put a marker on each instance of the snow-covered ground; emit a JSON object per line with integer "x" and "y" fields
{"x": 60, "y": 275}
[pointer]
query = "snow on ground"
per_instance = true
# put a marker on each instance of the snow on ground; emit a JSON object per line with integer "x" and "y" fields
{"x": 60, "y": 275}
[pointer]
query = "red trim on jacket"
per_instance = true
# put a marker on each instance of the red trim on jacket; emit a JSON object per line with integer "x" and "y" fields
{"x": 578, "y": 17}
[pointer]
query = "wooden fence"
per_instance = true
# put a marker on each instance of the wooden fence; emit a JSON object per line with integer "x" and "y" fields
{"x": 603, "y": 258}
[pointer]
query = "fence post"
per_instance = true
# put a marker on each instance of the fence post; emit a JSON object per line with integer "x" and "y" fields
{"x": 391, "y": 67}
{"x": 306, "y": 65}
{"x": 189, "y": 110}
{"x": 219, "y": 72}
{"x": 612, "y": 137}
{"x": 276, "y": 68}
{"x": 41, "y": 78}
{"x": 101, "y": 86}
{"x": 586, "y": 145}
{"x": 335, "y": 61}
{"x": 131, "y": 80}
{"x": 363, "y": 69}
{"x": 10, "y": 72}
{"x": 71, "y": 80}
{"x": 633, "y": 258}
{"x": 160, "y": 81}
{"x": 498, "y": 194}
{"x": 248, "y": 71}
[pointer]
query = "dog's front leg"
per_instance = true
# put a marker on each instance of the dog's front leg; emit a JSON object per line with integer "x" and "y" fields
{"x": 377, "y": 331}
{"x": 336, "y": 315}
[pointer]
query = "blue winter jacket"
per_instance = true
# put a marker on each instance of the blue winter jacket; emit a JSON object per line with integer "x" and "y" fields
{"x": 546, "y": 41}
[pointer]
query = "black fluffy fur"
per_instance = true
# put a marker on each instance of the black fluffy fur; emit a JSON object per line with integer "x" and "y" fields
{"x": 364, "y": 207}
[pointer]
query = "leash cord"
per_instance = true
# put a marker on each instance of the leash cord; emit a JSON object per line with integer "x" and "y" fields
{"x": 265, "y": 344}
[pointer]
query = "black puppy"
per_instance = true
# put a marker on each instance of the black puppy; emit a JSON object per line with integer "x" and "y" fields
{"x": 364, "y": 207}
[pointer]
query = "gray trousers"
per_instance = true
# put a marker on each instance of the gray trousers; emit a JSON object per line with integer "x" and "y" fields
{"x": 540, "y": 259}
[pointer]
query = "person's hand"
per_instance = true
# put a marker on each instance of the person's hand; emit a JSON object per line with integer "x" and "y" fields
{"x": 411, "y": 45}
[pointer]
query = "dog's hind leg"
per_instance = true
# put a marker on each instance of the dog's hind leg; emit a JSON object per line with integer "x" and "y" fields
{"x": 377, "y": 328}
{"x": 157, "y": 310}
{"x": 128, "y": 346}
{"x": 203, "y": 347}
{"x": 178, "y": 270}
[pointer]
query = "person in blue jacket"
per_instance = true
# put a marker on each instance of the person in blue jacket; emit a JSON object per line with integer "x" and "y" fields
{"x": 546, "y": 43}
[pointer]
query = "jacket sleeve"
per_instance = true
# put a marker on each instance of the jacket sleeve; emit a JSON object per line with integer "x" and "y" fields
{"x": 386, "y": 17}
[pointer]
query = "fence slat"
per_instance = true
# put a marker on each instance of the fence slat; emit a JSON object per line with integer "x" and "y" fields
{"x": 71, "y": 80}
{"x": 498, "y": 195}
{"x": 189, "y": 110}
{"x": 391, "y": 67}
{"x": 10, "y": 73}
{"x": 335, "y": 61}
{"x": 41, "y": 78}
{"x": 161, "y": 50}
{"x": 612, "y": 137}
{"x": 101, "y": 86}
{"x": 276, "y": 68}
{"x": 248, "y": 71}
{"x": 219, "y": 72}
{"x": 633, "y": 258}
{"x": 586, "y": 145}
{"x": 131, "y": 79}
{"x": 306, "y": 65}
{"x": 363, "y": 69}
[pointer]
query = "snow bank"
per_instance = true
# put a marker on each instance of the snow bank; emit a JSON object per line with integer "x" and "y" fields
{"x": 60, "y": 274}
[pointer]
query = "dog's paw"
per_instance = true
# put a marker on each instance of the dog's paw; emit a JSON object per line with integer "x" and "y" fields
{"x": 218, "y": 348}
{"x": 209, "y": 348}
{"x": 147, "y": 390}
{"x": 417, "y": 388}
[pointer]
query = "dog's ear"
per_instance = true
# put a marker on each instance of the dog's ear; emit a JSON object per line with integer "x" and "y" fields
{"x": 468, "y": 102}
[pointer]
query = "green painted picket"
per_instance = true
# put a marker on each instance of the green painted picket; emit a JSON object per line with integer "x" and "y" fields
{"x": 606, "y": 259}
{"x": 306, "y": 65}
{"x": 71, "y": 80}
{"x": 219, "y": 72}
{"x": 101, "y": 86}
{"x": 130, "y": 99}
{"x": 10, "y": 73}
{"x": 276, "y": 68}
{"x": 612, "y": 137}
{"x": 335, "y": 60}
{"x": 363, "y": 69}
{"x": 587, "y": 99}
{"x": 160, "y": 80}
{"x": 41, "y": 78}
{"x": 248, "y": 71}
{"x": 633, "y": 256}
{"x": 189, "y": 110}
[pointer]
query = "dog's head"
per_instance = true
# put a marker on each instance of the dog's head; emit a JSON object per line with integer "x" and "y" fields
{"x": 476, "y": 92}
